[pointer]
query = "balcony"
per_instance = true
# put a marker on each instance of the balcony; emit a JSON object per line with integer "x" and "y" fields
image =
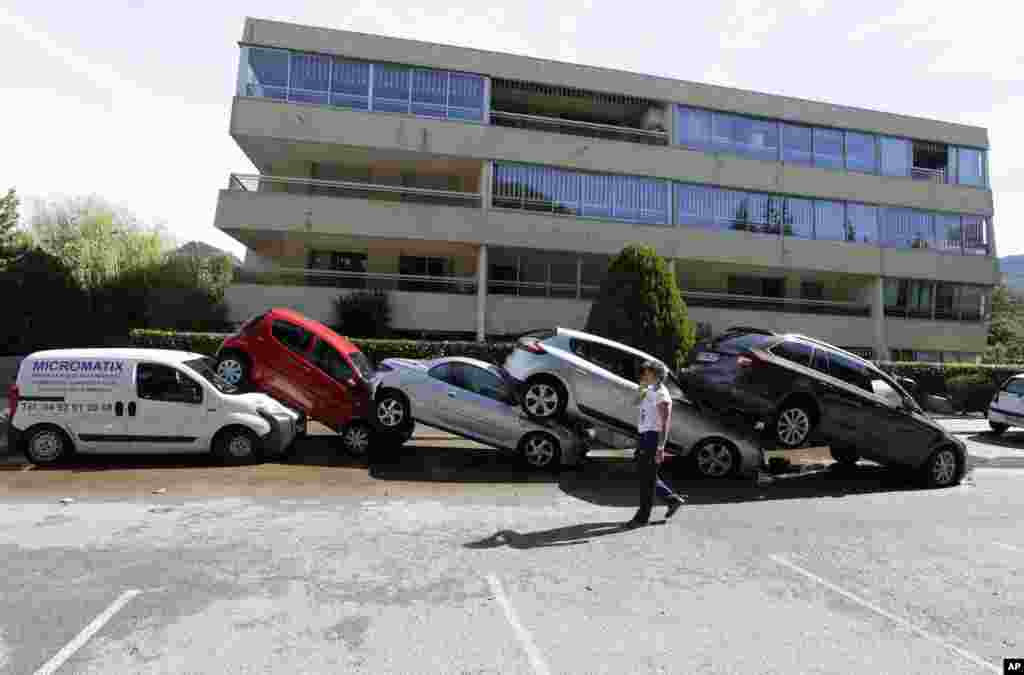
{"x": 575, "y": 128}
{"x": 930, "y": 175}
{"x": 302, "y": 276}
{"x": 351, "y": 189}
{"x": 774, "y": 304}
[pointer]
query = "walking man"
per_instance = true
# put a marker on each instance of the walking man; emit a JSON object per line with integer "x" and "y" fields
{"x": 655, "y": 421}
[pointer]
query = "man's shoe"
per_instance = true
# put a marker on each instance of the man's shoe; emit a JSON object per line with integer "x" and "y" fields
{"x": 672, "y": 508}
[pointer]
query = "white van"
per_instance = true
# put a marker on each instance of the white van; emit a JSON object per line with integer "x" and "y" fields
{"x": 139, "y": 401}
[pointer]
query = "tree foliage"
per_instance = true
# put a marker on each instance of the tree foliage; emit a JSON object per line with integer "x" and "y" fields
{"x": 13, "y": 240}
{"x": 364, "y": 314}
{"x": 640, "y": 305}
{"x": 1006, "y": 329}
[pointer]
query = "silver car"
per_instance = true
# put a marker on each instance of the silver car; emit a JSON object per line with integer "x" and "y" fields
{"x": 565, "y": 373}
{"x": 469, "y": 398}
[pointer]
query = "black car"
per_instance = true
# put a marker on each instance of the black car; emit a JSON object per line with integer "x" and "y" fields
{"x": 801, "y": 387}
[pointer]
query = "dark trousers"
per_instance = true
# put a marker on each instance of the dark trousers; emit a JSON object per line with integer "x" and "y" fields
{"x": 651, "y": 484}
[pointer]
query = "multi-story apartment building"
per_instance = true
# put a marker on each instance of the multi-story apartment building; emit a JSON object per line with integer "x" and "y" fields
{"x": 488, "y": 191}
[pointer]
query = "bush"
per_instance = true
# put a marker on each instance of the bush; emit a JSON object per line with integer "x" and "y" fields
{"x": 640, "y": 305}
{"x": 971, "y": 392}
{"x": 366, "y": 313}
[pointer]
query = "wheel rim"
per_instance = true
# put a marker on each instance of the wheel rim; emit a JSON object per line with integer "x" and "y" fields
{"x": 390, "y": 413}
{"x": 230, "y": 370}
{"x": 539, "y": 451}
{"x": 47, "y": 445}
{"x": 357, "y": 440}
{"x": 715, "y": 459}
{"x": 541, "y": 399}
{"x": 240, "y": 445}
{"x": 794, "y": 424}
{"x": 944, "y": 467}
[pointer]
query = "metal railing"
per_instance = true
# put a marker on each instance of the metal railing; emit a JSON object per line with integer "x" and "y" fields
{"x": 350, "y": 189}
{"x": 578, "y": 128}
{"x": 757, "y": 302}
{"x": 302, "y": 276}
{"x": 933, "y": 175}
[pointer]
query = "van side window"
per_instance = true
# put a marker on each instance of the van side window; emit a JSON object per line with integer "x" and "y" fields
{"x": 331, "y": 362}
{"x": 156, "y": 382}
{"x": 1014, "y": 386}
{"x": 850, "y": 371}
{"x": 291, "y": 336}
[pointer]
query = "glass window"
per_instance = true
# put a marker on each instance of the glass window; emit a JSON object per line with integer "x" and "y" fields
{"x": 1015, "y": 386}
{"x": 907, "y": 228}
{"x": 971, "y": 167}
{"x": 350, "y": 84}
{"x": 970, "y": 303}
{"x": 597, "y": 195}
{"x": 442, "y": 372}
{"x": 884, "y": 390}
{"x": 861, "y": 152}
{"x": 849, "y": 371}
{"x": 862, "y": 222}
{"x": 291, "y": 336}
{"x": 479, "y": 381}
{"x": 830, "y": 221}
{"x": 948, "y": 233}
{"x": 693, "y": 128}
{"x": 723, "y": 131}
{"x": 896, "y": 292}
{"x": 756, "y": 138}
{"x": 796, "y": 144}
{"x": 945, "y": 301}
{"x": 812, "y": 290}
{"x": 975, "y": 229}
{"x": 391, "y": 88}
{"x": 603, "y": 356}
{"x": 828, "y": 148}
{"x": 696, "y": 206}
{"x": 265, "y": 73}
{"x": 919, "y": 302}
{"x": 795, "y": 351}
{"x": 820, "y": 361}
{"x": 157, "y": 382}
{"x": 429, "y": 92}
{"x": 465, "y": 97}
{"x": 798, "y": 218}
{"x": 310, "y": 78}
{"x": 331, "y": 362}
{"x": 895, "y": 156}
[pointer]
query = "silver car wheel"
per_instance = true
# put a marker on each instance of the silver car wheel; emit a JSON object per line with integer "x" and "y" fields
{"x": 240, "y": 446}
{"x": 944, "y": 467}
{"x": 390, "y": 413}
{"x": 356, "y": 439}
{"x": 47, "y": 446}
{"x": 541, "y": 399}
{"x": 715, "y": 459}
{"x": 539, "y": 451}
{"x": 793, "y": 427}
{"x": 230, "y": 370}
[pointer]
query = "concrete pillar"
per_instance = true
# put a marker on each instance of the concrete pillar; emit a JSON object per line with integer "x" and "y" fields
{"x": 878, "y": 316}
{"x": 481, "y": 293}
{"x": 486, "y": 183}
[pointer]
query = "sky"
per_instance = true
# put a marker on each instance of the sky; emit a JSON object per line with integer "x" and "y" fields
{"x": 131, "y": 100}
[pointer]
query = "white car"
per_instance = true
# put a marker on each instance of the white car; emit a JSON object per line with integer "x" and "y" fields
{"x": 1007, "y": 407}
{"x": 139, "y": 401}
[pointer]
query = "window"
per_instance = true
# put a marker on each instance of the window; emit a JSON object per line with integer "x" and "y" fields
{"x": 862, "y": 222}
{"x": 975, "y": 229}
{"x": 443, "y": 372}
{"x": 760, "y": 286}
{"x": 1015, "y": 386}
{"x": 331, "y": 362}
{"x": 971, "y": 167}
{"x": 479, "y": 381}
{"x": 970, "y": 303}
{"x": 795, "y": 351}
{"x": 157, "y": 382}
{"x": 929, "y": 161}
{"x": 694, "y": 128}
{"x": 945, "y": 301}
{"x": 895, "y": 156}
{"x": 756, "y": 138}
{"x": 828, "y": 148}
{"x": 919, "y": 303}
{"x": 350, "y": 84}
{"x": 861, "y": 153}
{"x": 465, "y": 97}
{"x": 830, "y": 221}
{"x": 391, "y": 88}
{"x": 812, "y": 290}
{"x": 798, "y": 218}
{"x": 948, "y": 233}
{"x": 264, "y": 73}
{"x": 820, "y": 361}
{"x": 429, "y": 92}
{"x": 896, "y": 292}
{"x": 852, "y": 372}
{"x": 907, "y": 228}
{"x": 291, "y": 336}
{"x": 884, "y": 390}
{"x": 310, "y": 78}
{"x": 797, "y": 144}
{"x": 423, "y": 266}
{"x": 337, "y": 261}
{"x": 737, "y": 344}
{"x": 613, "y": 360}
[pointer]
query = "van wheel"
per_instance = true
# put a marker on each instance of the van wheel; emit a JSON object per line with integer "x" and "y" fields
{"x": 237, "y": 445}
{"x": 541, "y": 450}
{"x": 716, "y": 458}
{"x": 47, "y": 444}
{"x": 793, "y": 424}
{"x": 233, "y": 368}
{"x": 544, "y": 398}
{"x": 356, "y": 438}
{"x": 944, "y": 468}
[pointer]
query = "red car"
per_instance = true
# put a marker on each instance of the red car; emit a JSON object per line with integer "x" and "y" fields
{"x": 307, "y": 365}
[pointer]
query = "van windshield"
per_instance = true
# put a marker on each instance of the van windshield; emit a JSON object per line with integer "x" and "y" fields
{"x": 206, "y": 368}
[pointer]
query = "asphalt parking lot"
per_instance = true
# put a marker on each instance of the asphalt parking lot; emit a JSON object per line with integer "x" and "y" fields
{"x": 449, "y": 558}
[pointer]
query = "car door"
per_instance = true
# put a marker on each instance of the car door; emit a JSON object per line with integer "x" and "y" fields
{"x": 431, "y": 396}
{"x": 168, "y": 413}
{"x": 293, "y": 375}
{"x": 605, "y": 383}
{"x": 330, "y": 385}
{"x": 482, "y": 406}
{"x": 1009, "y": 400}
{"x": 841, "y": 395}
{"x": 897, "y": 435}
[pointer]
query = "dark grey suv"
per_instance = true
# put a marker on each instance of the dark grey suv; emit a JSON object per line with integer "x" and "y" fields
{"x": 802, "y": 387}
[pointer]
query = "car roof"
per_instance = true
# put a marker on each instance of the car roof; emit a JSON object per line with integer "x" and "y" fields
{"x": 605, "y": 341}
{"x": 172, "y": 356}
{"x": 465, "y": 359}
{"x": 341, "y": 343}
{"x": 822, "y": 343}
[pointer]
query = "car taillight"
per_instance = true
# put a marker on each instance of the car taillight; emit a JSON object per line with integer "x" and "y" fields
{"x": 532, "y": 346}
{"x": 747, "y": 360}
{"x": 12, "y": 399}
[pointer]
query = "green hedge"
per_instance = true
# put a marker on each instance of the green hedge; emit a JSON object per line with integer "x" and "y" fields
{"x": 969, "y": 387}
{"x": 377, "y": 350}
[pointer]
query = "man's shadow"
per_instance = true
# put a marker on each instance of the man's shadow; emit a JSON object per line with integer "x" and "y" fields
{"x": 559, "y": 536}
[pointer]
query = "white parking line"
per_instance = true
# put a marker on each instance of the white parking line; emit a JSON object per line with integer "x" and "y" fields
{"x": 1009, "y": 547}
{"x": 536, "y": 660}
{"x": 962, "y": 653}
{"x": 70, "y": 648}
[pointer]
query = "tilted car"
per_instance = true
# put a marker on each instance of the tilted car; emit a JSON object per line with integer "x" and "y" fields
{"x": 1007, "y": 407}
{"x": 469, "y": 398}
{"x": 802, "y": 387}
{"x": 566, "y": 374}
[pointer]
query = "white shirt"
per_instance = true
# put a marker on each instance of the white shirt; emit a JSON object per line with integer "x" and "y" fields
{"x": 649, "y": 419}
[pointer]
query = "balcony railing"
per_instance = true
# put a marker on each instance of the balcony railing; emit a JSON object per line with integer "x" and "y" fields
{"x": 932, "y": 175}
{"x": 351, "y": 189}
{"x": 300, "y": 276}
{"x": 577, "y": 128}
{"x": 756, "y": 302}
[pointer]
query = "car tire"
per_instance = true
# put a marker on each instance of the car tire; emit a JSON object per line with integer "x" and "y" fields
{"x": 843, "y": 456}
{"x": 715, "y": 458}
{"x": 234, "y": 368}
{"x": 540, "y": 451}
{"x": 357, "y": 438}
{"x": 47, "y": 445}
{"x": 998, "y": 427}
{"x": 391, "y": 413}
{"x": 944, "y": 468}
{"x": 544, "y": 398}
{"x": 793, "y": 425}
{"x": 237, "y": 445}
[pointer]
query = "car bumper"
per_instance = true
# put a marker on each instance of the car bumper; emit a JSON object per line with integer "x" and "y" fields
{"x": 281, "y": 436}
{"x": 1005, "y": 417}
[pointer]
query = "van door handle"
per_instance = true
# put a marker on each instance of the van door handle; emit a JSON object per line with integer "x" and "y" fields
{"x": 118, "y": 409}
{"x": 131, "y": 409}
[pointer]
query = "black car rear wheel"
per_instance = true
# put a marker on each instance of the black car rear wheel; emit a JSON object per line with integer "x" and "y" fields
{"x": 944, "y": 468}
{"x": 793, "y": 425}
{"x": 716, "y": 458}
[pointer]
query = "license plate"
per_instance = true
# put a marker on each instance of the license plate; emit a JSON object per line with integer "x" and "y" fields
{"x": 707, "y": 357}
